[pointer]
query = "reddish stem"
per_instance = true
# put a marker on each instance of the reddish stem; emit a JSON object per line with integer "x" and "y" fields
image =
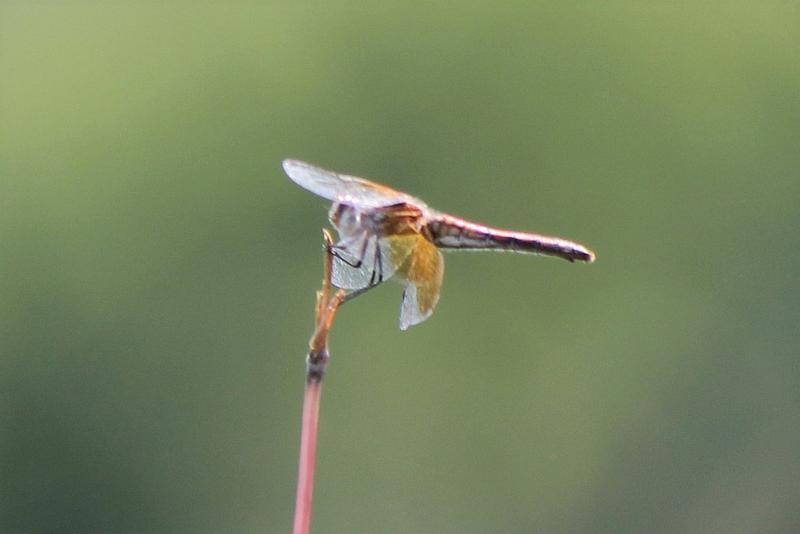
{"x": 316, "y": 362}
{"x": 308, "y": 455}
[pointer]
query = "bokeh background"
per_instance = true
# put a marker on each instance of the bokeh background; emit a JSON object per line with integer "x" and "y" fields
{"x": 157, "y": 269}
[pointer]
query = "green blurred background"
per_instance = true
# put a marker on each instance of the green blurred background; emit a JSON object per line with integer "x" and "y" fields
{"x": 158, "y": 270}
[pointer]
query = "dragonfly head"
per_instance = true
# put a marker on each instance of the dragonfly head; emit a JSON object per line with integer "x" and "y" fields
{"x": 345, "y": 218}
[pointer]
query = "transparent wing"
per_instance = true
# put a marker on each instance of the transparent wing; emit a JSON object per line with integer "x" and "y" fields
{"x": 410, "y": 312}
{"x": 345, "y": 276}
{"x": 423, "y": 286}
{"x": 342, "y": 188}
{"x": 363, "y": 261}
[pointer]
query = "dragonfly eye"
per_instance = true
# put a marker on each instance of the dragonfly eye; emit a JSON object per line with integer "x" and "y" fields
{"x": 345, "y": 217}
{"x": 335, "y": 213}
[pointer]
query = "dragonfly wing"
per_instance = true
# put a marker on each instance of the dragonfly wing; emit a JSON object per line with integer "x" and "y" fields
{"x": 345, "y": 276}
{"x": 410, "y": 313}
{"x": 424, "y": 274}
{"x": 343, "y": 188}
{"x": 364, "y": 261}
{"x": 350, "y": 268}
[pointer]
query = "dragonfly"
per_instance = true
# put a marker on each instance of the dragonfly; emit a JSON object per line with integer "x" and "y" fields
{"x": 387, "y": 234}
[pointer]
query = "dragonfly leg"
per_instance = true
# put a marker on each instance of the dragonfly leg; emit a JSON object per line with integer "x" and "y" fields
{"x": 336, "y": 251}
{"x": 356, "y": 292}
{"x": 378, "y": 262}
{"x": 373, "y": 276}
{"x": 376, "y": 278}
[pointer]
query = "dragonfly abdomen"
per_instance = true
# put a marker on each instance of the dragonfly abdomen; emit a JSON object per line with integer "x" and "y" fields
{"x": 454, "y": 233}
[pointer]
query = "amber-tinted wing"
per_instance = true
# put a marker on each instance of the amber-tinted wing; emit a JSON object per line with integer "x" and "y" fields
{"x": 350, "y": 190}
{"x": 423, "y": 273}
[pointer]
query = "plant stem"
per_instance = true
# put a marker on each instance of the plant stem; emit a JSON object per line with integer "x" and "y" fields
{"x": 316, "y": 363}
{"x": 308, "y": 455}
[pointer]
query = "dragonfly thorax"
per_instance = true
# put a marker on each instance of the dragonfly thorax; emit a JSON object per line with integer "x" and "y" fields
{"x": 398, "y": 219}
{"x": 346, "y": 219}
